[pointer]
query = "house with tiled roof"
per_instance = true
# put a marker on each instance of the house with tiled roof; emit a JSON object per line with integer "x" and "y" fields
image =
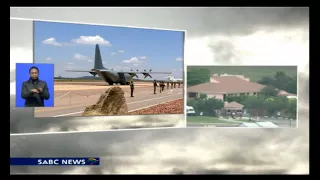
{"x": 232, "y": 109}
{"x": 222, "y": 86}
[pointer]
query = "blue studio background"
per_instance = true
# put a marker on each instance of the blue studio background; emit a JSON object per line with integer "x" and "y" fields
{"x": 46, "y": 73}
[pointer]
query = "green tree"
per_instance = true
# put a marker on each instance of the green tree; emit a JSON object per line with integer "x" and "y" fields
{"x": 281, "y": 81}
{"x": 268, "y": 81}
{"x": 196, "y": 75}
{"x": 203, "y": 96}
{"x": 207, "y": 106}
{"x": 238, "y": 99}
{"x": 253, "y": 102}
{"x": 214, "y": 104}
{"x": 292, "y": 108}
{"x": 269, "y": 91}
{"x": 291, "y": 85}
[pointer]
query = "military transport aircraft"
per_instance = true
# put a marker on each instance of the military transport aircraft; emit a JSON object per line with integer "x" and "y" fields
{"x": 111, "y": 76}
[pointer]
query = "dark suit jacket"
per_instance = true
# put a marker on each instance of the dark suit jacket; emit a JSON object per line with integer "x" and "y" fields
{"x": 34, "y": 99}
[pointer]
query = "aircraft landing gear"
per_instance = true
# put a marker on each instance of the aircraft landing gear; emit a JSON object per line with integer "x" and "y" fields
{"x": 110, "y": 83}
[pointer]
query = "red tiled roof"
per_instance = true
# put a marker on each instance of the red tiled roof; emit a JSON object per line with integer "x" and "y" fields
{"x": 228, "y": 85}
{"x": 233, "y": 105}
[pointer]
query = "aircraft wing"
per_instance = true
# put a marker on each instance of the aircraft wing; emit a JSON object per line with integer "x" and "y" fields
{"x": 144, "y": 72}
{"x": 80, "y": 71}
{"x": 94, "y": 73}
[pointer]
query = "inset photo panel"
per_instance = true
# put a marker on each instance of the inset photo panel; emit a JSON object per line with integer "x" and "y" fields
{"x": 242, "y": 96}
{"x": 111, "y": 71}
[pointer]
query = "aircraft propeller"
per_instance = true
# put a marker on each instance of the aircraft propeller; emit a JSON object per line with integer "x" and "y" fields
{"x": 147, "y": 74}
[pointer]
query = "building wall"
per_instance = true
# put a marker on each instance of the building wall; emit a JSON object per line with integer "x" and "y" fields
{"x": 220, "y": 96}
{"x": 247, "y": 94}
{"x": 228, "y": 112}
{"x": 217, "y": 96}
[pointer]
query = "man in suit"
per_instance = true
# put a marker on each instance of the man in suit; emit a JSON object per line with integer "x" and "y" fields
{"x": 131, "y": 88}
{"x": 34, "y": 90}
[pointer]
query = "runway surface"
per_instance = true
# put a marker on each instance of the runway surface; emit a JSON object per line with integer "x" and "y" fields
{"x": 72, "y": 98}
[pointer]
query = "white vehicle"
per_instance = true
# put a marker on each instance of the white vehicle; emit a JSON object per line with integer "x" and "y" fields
{"x": 173, "y": 79}
{"x": 190, "y": 111}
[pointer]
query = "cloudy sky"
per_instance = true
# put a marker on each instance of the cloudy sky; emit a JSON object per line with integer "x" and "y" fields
{"x": 71, "y": 46}
{"x": 215, "y": 36}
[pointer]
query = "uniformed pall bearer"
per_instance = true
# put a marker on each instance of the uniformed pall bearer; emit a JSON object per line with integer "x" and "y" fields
{"x": 163, "y": 85}
{"x": 131, "y": 88}
{"x": 155, "y": 85}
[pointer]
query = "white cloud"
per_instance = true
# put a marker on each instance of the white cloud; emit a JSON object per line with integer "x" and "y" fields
{"x": 121, "y": 51}
{"x": 142, "y": 57}
{"x": 113, "y": 53}
{"x": 70, "y": 63}
{"x": 283, "y": 47}
{"x": 49, "y": 59}
{"x": 80, "y": 57}
{"x": 179, "y": 59}
{"x": 136, "y": 64}
{"x": 91, "y": 40}
{"x": 181, "y": 69}
{"x": 132, "y": 60}
{"x": 20, "y": 55}
{"x": 90, "y": 60}
{"x": 103, "y": 62}
{"x": 174, "y": 70}
{"x": 51, "y": 41}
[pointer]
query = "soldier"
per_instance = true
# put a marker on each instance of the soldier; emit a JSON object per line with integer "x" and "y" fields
{"x": 167, "y": 85}
{"x": 163, "y": 85}
{"x": 160, "y": 86}
{"x": 179, "y": 84}
{"x": 155, "y": 85}
{"x": 131, "y": 88}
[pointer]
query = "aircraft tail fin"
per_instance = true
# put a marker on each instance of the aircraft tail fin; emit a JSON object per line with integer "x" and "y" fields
{"x": 97, "y": 59}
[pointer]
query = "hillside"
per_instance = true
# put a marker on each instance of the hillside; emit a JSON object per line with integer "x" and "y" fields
{"x": 255, "y": 73}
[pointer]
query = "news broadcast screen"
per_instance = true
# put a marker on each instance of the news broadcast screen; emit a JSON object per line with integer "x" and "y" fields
{"x": 159, "y": 90}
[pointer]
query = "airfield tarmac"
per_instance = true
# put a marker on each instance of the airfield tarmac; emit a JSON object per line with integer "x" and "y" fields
{"x": 71, "y": 98}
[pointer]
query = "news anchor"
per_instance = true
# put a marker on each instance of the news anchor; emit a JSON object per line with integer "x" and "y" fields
{"x": 34, "y": 90}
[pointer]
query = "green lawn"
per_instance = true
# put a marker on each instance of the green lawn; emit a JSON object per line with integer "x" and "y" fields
{"x": 255, "y": 73}
{"x": 204, "y": 119}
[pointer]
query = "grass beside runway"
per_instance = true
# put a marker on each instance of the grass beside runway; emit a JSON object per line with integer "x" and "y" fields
{"x": 206, "y": 119}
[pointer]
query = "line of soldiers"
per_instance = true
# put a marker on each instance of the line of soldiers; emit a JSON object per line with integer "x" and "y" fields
{"x": 155, "y": 85}
{"x": 162, "y": 85}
